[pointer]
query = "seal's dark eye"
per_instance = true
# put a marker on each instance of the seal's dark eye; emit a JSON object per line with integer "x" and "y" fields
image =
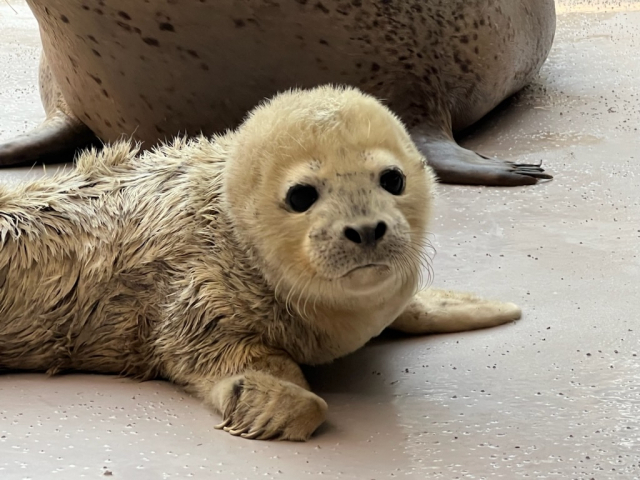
{"x": 301, "y": 197}
{"x": 392, "y": 181}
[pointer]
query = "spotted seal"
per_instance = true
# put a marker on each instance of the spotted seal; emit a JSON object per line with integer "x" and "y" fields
{"x": 150, "y": 71}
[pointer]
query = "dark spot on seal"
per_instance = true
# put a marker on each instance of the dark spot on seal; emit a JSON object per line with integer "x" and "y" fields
{"x": 151, "y": 41}
{"x": 321, "y": 7}
{"x": 238, "y": 387}
{"x": 125, "y": 26}
{"x": 107, "y": 123}
{"x": 375, "y": 67}
{"x": 106, "y": 94}
{"x": 124, "y": 15}
{"x": 323, "y": 42}
{"x": 147, "y": 102}
{"x": 193, "y": 53}
{"x": 96, "y": 52}
{"x": 464, "y": 39}
{"x": 85, "y": 7}
{"x": 98, "y": 11}
{"x": 239, "y": 23}
{"x": 167, "y": 27}
{"x": 92, "y": 38}
{"x": 64, "y": 18}
{"x": 302, "y": 2}
{"x": 204, "y": 67}
{"x": 96, "y": 79}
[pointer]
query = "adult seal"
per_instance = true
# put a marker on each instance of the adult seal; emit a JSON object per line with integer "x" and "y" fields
{"x": 150, "y": 71}
{"x": 222, "y": 264}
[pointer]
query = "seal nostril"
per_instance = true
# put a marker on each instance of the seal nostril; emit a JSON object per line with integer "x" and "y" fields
{"x": 381, "y": 229}
{"x": 352, "y": 235}
{"x": 367, "y": 234}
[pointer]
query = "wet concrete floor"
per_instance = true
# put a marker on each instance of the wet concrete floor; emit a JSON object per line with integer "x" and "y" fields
{"x": 555, "y": 395}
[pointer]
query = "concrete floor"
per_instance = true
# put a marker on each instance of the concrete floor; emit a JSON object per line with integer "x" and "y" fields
{"x": 555, "y": 395}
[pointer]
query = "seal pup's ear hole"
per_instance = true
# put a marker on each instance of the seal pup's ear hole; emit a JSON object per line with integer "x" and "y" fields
{"x": 393, "y": 181}
{"x": 301, "y": 198}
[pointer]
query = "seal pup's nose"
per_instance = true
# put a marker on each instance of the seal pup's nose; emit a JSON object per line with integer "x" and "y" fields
{"x": 366, "y": 235}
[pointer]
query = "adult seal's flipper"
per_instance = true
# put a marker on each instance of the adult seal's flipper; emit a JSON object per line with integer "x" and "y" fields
{"x": 455, "y": 164}
{"x": 55, "y": 140}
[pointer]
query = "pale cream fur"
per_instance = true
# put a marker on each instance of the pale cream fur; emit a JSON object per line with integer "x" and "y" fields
{"x": 185, "y": 263}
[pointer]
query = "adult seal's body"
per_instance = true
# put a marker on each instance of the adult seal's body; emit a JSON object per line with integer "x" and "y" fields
{"x": 151, "y": 70}
{"x": 222, "y": 264}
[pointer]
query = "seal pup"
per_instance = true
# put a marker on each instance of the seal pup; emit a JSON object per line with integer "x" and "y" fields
{"x": 150, "y": 71}
{"x": 222, "y": 264}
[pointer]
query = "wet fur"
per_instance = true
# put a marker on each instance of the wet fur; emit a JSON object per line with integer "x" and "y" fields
{"x": 183, "y": 263}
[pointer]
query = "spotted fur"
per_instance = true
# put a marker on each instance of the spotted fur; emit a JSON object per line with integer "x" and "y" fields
{"x": 153, "y": 71}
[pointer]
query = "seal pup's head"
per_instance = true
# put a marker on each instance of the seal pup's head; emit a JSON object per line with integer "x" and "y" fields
{"x": 331, "y": 195}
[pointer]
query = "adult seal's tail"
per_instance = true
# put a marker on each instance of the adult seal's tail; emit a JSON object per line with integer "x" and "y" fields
{"x": 149, "y": 72}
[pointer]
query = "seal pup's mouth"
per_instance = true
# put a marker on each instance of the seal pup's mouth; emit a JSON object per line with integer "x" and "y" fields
{"x": 377, "y": 267}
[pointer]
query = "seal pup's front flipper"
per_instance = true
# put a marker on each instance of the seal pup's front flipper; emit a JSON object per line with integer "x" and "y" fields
{"x": 443, "y": 311}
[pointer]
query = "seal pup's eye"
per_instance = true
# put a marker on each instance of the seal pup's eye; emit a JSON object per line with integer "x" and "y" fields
{"x": 300, "y": 198}
{"x": 392, "y": 181}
